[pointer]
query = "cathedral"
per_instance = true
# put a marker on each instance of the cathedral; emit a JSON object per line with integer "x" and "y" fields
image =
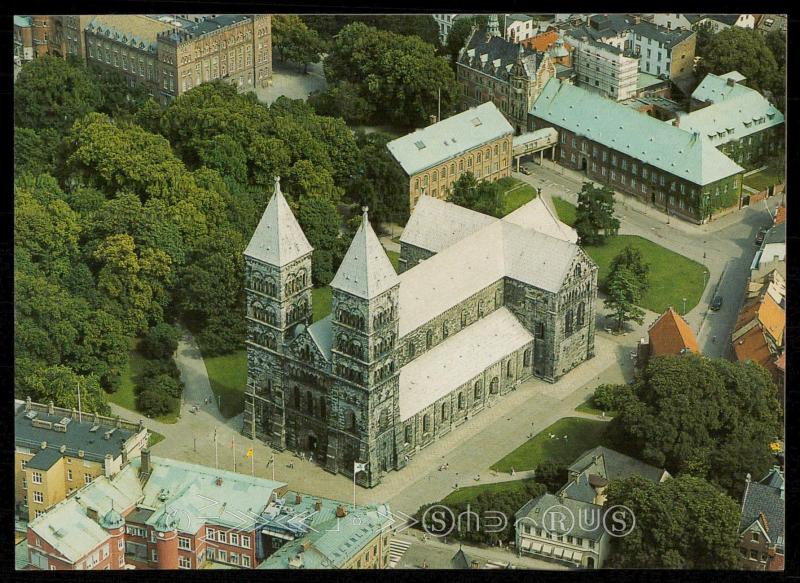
{"x": 480, "y": 305}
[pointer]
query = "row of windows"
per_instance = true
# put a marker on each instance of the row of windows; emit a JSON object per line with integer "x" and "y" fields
{"x": 309, "y": 408}
{"x": 559, "y": 537}
{"x": 234, "y": 539}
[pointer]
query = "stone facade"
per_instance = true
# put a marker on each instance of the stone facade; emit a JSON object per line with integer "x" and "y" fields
{"x": 332, "y": 389}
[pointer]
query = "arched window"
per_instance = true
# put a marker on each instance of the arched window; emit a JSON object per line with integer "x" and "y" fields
{"x": 461, "y": 400}
{"x": 323, "y": 408}
{"x": 296, "y": 398}
{"x": 412, "y": 350}
{"x": 444, "y": 411}
{"x": 409, "y": 433}
{"x": 428, "y": 338}
{"x": 540, "y": 330}
{"x": 463, "y": 318}
{"x": 435, "y": 176}
{"x": 478, "y": 158}
{"x": 581, "y": 314}
{"x": 445, "y": 330}
{"x": 309, "y": 403}
{"x": 568, "y": 323}
{"x": 351, "y": 420}
{"x": 494, "y": 385}
{"x": 509, "y": 369}
{"x": 578, "y": 270}
{"x": 526, "y": 358}
{"x": 480, "y": 308}
{"x": 426, "y": 422}
{"x": 478, "y": 390}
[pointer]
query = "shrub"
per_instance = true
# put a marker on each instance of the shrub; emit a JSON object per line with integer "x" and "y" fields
{"x": 611, "y": 397}
{"x": 154, "y": 403}
{"x": 161, "y": 383}
{"x": 161, "y": 341}
{"x": 552, "y": 474}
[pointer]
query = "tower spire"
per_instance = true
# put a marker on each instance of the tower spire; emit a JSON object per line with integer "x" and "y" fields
{"x": 493, "y": 26}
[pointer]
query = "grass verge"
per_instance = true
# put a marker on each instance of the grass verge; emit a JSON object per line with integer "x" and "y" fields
{"x": 228, "y": 376}
{"x": 471, "y": 493}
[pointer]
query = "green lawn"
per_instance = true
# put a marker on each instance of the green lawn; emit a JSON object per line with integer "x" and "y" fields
{"x": 588, "y": 407}
{"x": 228, "y": 376}
{"x": 565, "y": 210}
{"x": 672, "y": 276}
{"x": 517, "y": 194}
{"x": 154, "y": 438}
{"x": 321, "y": 298}
{"x": 470, "y": 493}
{"x": 582, "y": 434}
{"x": 125, "y": 395}
{"x": 764, "y": 179}
{"x": 394, "y": 257}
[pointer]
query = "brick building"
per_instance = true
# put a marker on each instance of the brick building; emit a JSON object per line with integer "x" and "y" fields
{"x": 490, "y": 68}
{"x": 762, "y": 523}
{"x": 674, "y": 169}
{"x": 374, "y": 381}
{"x": 478, "y": 140}
{"x": 58, "y": 451}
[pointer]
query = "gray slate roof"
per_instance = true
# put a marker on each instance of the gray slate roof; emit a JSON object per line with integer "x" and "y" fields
{"x": 278, "y": 238}
{"x": 366, "y": 271}
{"x": 44, "y": 459}
{"x": 436, "y": 224}
{"x": 78, "y": 436}
{"x": 664, "y": 36}
{"x": 666, "y": 147}
{"x": 496, "y": 56}
{"x": 449, "y": 138}
{"x": 535, "y": 513}
{"x": 613, "y": 465}
{"x": 762, "y": 498}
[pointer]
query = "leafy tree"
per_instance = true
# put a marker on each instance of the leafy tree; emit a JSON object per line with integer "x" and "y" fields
{"x": 594, "y": 217}
{"x": 163, "y": 384}
{"x": 380, "y": 183}
{"x": 399, "y": 75}
{"x": 683, "y": 523}
{"x": 459, "y": 33}
{"x": 294, "y": 41}
{"x": 705, "y": 32}
{"x": 483, "y": 197}
{"x": 631, "y": 258}
{"x": 611, "y": 397}
{"x": 154, "y": 403}
{"x": 52, "y": 93}
{"x": 155, "y": 367}
{"x": 343, "y": 100}
{"x": 623, "y": 294}
{"x": 552, "y": 474}
{"x": 119, "y": 99}
{"x": 223, "y": 333}
{"x": 321, "y": 222}
{"x": 421, "y": 25}
{"x": 59, "y": 383}
{"x": 35, "y": 151}
{"x": 709, "y": 417}
{"x": 225, "y": 155}
{"x": 161, "y": 341}
{"x": 746, "y": 51}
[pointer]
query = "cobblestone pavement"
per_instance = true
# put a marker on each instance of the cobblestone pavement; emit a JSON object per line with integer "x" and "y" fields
{"x": 290, "y": 81}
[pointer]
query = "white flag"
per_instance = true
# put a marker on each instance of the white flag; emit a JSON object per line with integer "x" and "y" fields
{"x": 357, "y": 467}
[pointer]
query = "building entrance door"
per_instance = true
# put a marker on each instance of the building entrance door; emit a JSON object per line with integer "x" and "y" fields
{"x": 311, "y": 443}
{"x": 584, "y": 164}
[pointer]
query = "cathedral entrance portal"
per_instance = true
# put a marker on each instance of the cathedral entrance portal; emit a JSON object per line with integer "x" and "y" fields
{"x": 311, "y": 442}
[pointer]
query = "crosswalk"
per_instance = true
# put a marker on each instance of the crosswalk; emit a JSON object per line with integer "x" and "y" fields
{"x": 397, "y": 548}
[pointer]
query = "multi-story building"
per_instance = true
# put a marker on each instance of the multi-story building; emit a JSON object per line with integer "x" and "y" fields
{"x": 23, "y": 39}
{"x": 771, "y": 22}
{"x": 373, "y": 382}
{"x": 128, "y": 44}
{"x": 166, "y": 514}
{"x": 236, "y": 48}
{"x": 445, "y": 23}
{"x": 738, "y": 120}
{"x": 662, "y": 52}
{"x": 585, "y": 542}
{"x": 675, "y": 169}
{"x": 604, "y": 68}
{"x": 518, "y": 27}
{"x": 478, "y": 140}
{"x": 717, "y": 22}
{"x": 762, "y": 524}
{"x": 57, "y": 451}
{"x": 490, "y": 68}
{"x": 68, "y": 35}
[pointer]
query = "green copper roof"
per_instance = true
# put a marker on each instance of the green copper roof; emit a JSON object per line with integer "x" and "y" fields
{"x": 670, "y": 149}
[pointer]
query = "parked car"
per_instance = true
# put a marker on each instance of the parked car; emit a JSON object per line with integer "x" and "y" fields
{"x": 760, "y": 237}
{"x": 527, "y": 168}
{"x": 716, "y": 303}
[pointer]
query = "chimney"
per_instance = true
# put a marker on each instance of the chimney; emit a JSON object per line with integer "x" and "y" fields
{"x": 731, "y": 82}
{"x": 144, "y": 470}
{"x": 432, "y": 119}
{"x": 44, "y": 445}
{"x": 91, "y": 513}
{"x": 306, "y": 544}
{"x": 341, "y": 512}
{"x": 80, "y": 453}
{"x": 475, "y": 564}
{"x": 298, "y": 499}
{"x": 317, "y": 505}
{"x": 218, "y": 482}
{"x": 62, "y": 449}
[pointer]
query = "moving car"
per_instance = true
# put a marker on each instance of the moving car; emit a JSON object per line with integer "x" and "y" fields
{"x": 716, "y": 303}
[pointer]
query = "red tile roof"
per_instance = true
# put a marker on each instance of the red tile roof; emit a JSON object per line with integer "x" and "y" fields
{"x": 780, "y": 363}
{"x": 780, "y": 215}
{"x": 775, "y": 563}
{"x": 542, "y": 42}
{"x": 753, "y": 345}
{"x": 670, "y": 334}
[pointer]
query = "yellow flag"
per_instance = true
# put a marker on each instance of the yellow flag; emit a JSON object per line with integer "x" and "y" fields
{"x": 249, "y": 452}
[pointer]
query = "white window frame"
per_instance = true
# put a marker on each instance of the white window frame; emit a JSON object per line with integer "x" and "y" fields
{"x": 38, "y": 497}
{"x": 184, "y": 562}
{"x": 36, "y": 477}
{"x": 245, "y": 560}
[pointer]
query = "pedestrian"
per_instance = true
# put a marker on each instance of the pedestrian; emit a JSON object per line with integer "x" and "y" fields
{"x": 311, "y": 457}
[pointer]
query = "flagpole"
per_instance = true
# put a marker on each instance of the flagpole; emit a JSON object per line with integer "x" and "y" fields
{"x": 216, "y": 452}
{"x": 233, "y": 447}
{"x": 253, "y": 460}
{"x": 273, "y": 467}
{"x": 354, "y": 486}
